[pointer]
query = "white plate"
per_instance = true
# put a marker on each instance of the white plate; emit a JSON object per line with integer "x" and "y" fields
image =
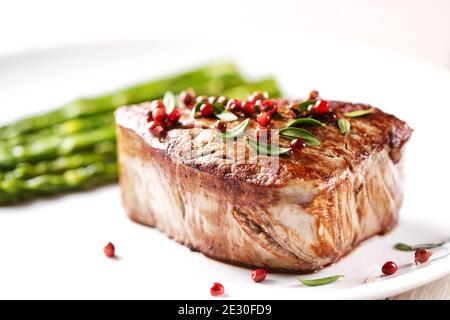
{"x": 53, "y": 248}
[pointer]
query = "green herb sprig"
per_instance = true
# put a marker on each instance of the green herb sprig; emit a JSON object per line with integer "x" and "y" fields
{"x": 237, "y": 131}
{"x": 343, "y": 125}
{"x": 169, "y": 101}
{"x": 305, "y": 122}
{"x": 227, "y": 116}
{"x": 320, "y": 281}
{"x": 294, "y": 133}
{"x": 358, "y": 113}
{"x": 406, "y": 247}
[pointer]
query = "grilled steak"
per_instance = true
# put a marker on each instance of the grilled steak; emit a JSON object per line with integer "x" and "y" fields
{"x": 305, "y": 213}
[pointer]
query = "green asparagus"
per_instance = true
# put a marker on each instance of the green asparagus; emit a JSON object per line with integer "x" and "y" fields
{"x": 104, "y": 152}
{"x": 98, "y": 173}
{"x": 66, "y": 128}
{"x": 209, "y": 80}
{"x": 54, "y": 146}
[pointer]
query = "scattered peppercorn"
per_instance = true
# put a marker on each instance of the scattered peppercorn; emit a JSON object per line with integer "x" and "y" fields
{"x": 206, "y": 109}
{"x": 422, "y": 255}
{"x": 259, "y": 275}
{"x": 234, "y": 105}
{"x": 187, "y": 98}
{"x": 110, "y": 250}
{"x": 248, "y": 108}
{"x": 263, "y": 119}
{"x": 297, "y": 144}
{"x": 221, "y": 126}
{"x": 156, "y": 128}
{"x": 159, "y": 114}
{"x": 173, "y": 116}
{"x": 256, "y": 96}
{"x": 313, "y": 95}
{"x": 389, "y": 268}
{"x": 269, "y": 106}
{"x": 217, "y": 290}
{"x": 223, "y": 100}
{"x": 321, "y": 107}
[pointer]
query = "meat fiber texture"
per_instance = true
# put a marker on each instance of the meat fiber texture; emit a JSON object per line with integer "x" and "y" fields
{"x": 297, "y": 213}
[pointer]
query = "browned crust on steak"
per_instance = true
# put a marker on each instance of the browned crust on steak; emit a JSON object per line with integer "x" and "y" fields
{"x": 368, "y": 134}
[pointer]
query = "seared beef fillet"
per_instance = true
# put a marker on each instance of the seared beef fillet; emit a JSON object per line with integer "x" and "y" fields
{"x": 310, "y": 211}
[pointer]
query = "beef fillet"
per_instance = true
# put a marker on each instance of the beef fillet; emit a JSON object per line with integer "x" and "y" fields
{"x": 306, "y": 212}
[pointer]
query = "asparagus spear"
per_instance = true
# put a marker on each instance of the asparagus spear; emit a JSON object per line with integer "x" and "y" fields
{"x": 209, "y": 79}
{"x": 98, "y": 173}
{"x": 54, "y": 146}
{"x": 103, "y": 152}
{"x": 66, "y": 128}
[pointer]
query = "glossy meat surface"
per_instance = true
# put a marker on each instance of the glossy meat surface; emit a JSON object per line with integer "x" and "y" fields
{"x": 300, "y": 214}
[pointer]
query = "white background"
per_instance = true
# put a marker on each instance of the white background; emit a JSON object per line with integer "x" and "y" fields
{"x": 419, "y": 28}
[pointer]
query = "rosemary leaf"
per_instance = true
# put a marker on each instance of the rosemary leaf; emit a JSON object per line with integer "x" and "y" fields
{"x": 304, "y": 122}
{"x": 358, "y": 113}
{"x": 237, "y": 131}
{"x": 406, "y": 247}
{"x": 320, "y": 281}
{"x": 294, "y": 133}
{"x": 344, "y": 125}
{"x": 266, "y": 149}
{"x": 227, "y": 116}
{"x": 169, "y": 101}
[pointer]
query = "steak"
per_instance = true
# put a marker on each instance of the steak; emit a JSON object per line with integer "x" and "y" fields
{"x": 302, "y": 214}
